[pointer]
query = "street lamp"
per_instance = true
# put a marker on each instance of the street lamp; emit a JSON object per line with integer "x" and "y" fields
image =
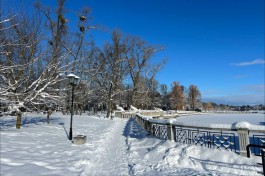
{"x": 73, "y": 80}
{"x": 111, "y": 108}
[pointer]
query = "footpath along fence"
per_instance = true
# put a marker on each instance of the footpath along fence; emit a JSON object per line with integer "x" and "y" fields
{"x": 229, "y": 137}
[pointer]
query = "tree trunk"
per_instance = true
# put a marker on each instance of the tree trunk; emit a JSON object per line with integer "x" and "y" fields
{"x": 109, "y": 101}
{"x": 18, "y": 123}
{"x": 134, "y": 92}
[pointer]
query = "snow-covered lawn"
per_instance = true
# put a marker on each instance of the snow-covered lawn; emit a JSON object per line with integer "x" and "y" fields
{"x": 113, "y": 147}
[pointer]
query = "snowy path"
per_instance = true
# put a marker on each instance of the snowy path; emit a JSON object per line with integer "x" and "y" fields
{"x": 111, "y": 149}
{"x": 41, "y": 149}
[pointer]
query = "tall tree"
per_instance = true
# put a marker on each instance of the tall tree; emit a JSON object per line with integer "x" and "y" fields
{"x": 154, "y": 94}
{"x": 147, "y": 95}
{"x": 66, "y": 47}
{"x": 194, "y": 96}
{"x": 165, "y": 97}
{"x": 177, "y": 96}
{"x": 113, "y": 69}
{"x": 138, "y": 58}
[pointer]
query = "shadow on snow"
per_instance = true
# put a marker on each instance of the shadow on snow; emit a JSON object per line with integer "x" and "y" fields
{"x": 10, "y": 121}
{"x": 134, "y": 130}
{"x": 62, "y": 124}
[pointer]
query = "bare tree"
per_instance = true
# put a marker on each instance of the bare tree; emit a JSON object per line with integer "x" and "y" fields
{"x": 68, "y": 49}
{"x": 154, "y": 94}
{"x": 177, "y": 96}
{"x": 20, "y": 56}
{"x": 38, "y": 50}
{"x": 139, "y": 56}
{"x": 194, "y": 96}
{"x": 143, "y": 97}
{"x": 207, "y": 106}
{"x": 35, "y": 56}
{"x": 114, "y": 68}
{"x": 165, "y": 96}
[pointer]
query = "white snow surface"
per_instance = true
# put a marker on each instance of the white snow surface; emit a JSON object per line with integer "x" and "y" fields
{"x": 113, "y": 147}
{"x": 255, "y": 119}
{"x": 134, "y": 109}
{"x": 120, "y": 108}
{"x": 243, "y": 125}
{"x": 228, "y": 121}
{"x": 217, "y": 121}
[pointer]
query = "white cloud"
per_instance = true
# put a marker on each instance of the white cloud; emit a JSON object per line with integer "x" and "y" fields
{"x": 251, "y": 94}
{"x": 254, "y": 88}
{"x": 254, "y": 62}
{"x": 249, "y": 99}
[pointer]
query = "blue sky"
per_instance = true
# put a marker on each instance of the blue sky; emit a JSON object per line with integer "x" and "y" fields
{"x": 217, "y": 45}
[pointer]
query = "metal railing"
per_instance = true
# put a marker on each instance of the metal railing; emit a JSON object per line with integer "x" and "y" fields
{"x": 207, "y": 138}
{"x": 127, "y": 115}
{"x": 121, "y": 114}
{"x": 258, "y": 140}
{"x": 234, "y": 139}
{"x": 262, "y": 155}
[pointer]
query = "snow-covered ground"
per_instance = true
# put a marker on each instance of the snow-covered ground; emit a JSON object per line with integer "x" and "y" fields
{"x": 113, "y": 147}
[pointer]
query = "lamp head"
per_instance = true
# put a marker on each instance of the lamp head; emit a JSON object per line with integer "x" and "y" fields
{"x": 73, "y": 79}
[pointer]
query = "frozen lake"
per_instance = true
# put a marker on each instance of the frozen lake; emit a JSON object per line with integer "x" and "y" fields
{"x": 255, "y": 119}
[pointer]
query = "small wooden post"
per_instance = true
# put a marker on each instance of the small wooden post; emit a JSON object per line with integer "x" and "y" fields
{"x": 18, "y": 123}
{"x": 48, "y": 115}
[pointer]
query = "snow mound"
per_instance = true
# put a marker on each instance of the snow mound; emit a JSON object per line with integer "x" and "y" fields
{"x": 158, "y": 109}
{"x": 243, "y": 125}
{"x": 134, "y": 108}
{"x": 119, "y": 108}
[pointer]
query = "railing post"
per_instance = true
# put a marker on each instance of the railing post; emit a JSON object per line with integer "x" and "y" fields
{"x": 148, "y": 127}
{"x": 243, "y": 137}
{"x": 170, "y": 133}
{"x": 145, "y": 125}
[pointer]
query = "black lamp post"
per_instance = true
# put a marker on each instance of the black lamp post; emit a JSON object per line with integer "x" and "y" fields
{"x": 73, "y": 80}
{"x": 111, "y": 108}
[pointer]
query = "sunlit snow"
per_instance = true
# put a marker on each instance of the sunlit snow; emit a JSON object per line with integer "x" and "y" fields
{"x": 113, "y": 147}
